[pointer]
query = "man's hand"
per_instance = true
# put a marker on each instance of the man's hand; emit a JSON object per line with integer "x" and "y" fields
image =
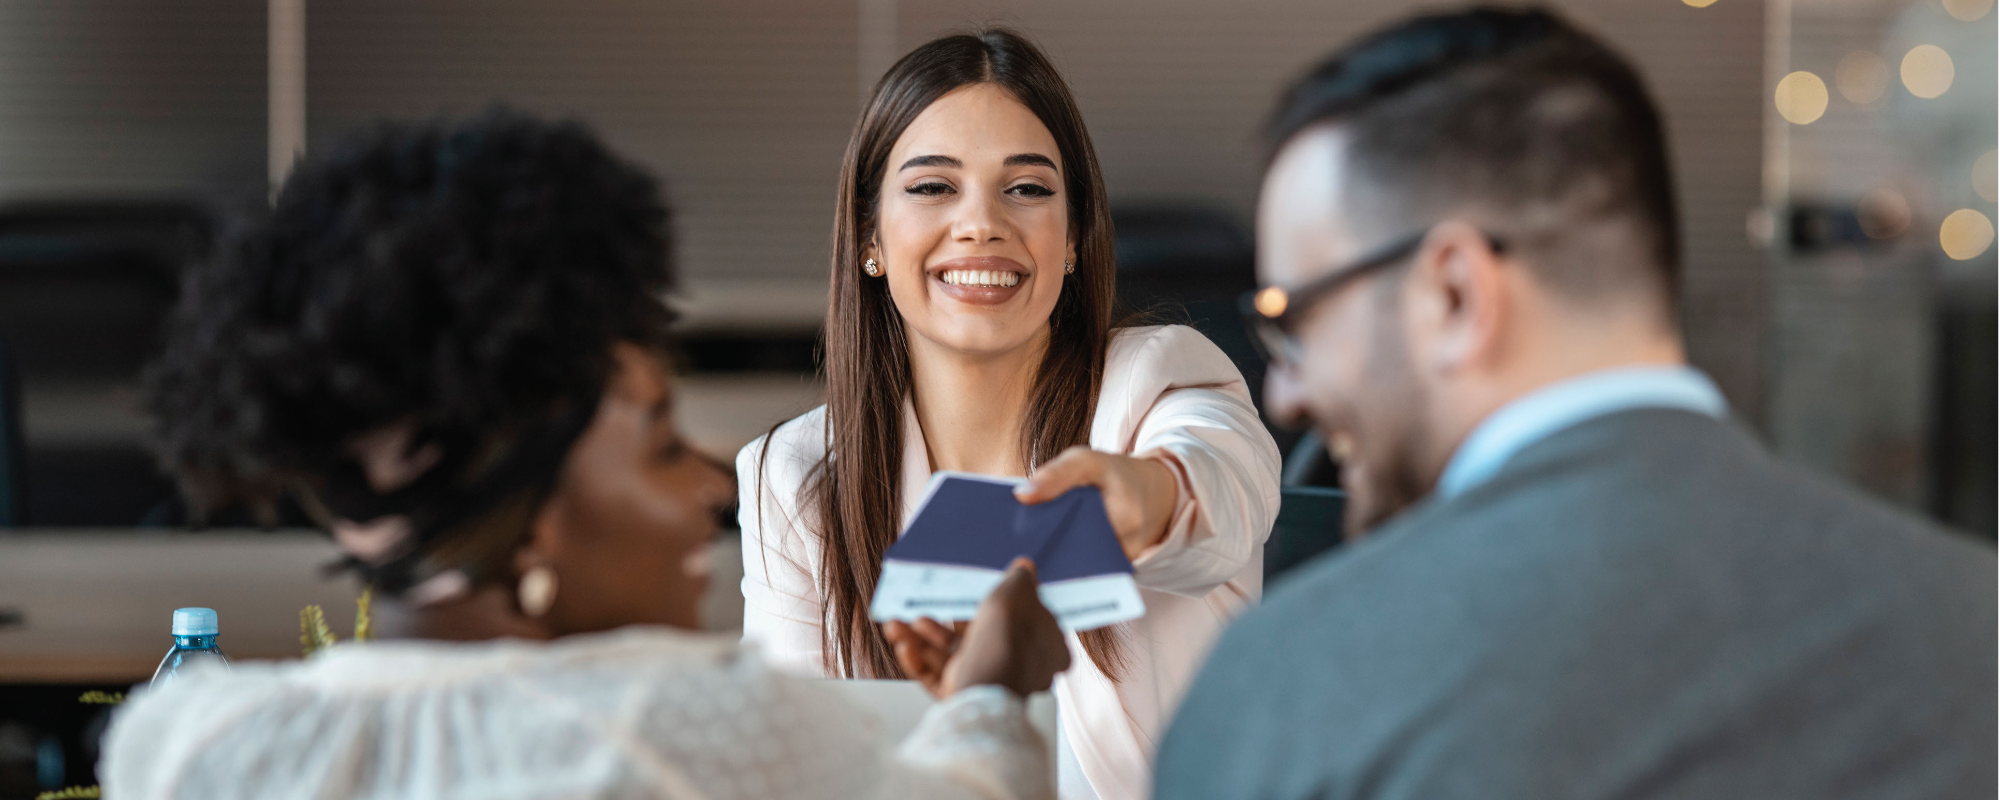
{"x": 1139, "y": 493}
{"x": 1012, "y": 642}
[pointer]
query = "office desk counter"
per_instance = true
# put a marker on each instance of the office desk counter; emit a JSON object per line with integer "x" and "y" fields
{"x": 85, "y": 605}
{"x": 95, "y": 605}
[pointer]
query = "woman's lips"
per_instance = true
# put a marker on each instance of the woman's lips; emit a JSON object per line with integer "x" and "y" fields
{"x": 979, "y": 281}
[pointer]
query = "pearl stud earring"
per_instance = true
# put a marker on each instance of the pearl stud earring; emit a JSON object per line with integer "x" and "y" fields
{"x": 537, "y": 591}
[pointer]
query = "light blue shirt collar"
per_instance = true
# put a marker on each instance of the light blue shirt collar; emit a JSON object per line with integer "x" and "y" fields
{"x": 1534, "y": 416}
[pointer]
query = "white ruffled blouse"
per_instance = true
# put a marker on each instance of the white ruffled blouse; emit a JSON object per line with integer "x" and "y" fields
{"x": 635, "y": 713}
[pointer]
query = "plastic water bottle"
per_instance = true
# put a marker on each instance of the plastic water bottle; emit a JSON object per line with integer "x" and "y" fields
{"x": 195, "y": 633}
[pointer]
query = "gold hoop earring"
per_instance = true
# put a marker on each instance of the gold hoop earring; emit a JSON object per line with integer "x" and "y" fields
{"x": 870, "y": 268}
{"x": 1069, "y": 268}
{"x": 537, "y": 591}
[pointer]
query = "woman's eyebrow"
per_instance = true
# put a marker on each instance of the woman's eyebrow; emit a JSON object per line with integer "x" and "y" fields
{"x": 1029, "y": 160}
{"x": 932, "y": 161}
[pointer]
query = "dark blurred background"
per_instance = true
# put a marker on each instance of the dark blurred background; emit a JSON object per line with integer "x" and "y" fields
{"x": 1820, "y": 290}
{"x": 1835, "y": 162}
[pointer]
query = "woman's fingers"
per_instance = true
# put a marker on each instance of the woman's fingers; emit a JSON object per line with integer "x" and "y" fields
{"x": 1077, "y": 466}
{"x": 916, "y": 669}
{"x": 938, "y": 635}
{"x": 1140, "y": 494}
{"x": 906, "y": 641}
{"x": 921, "y": 660}
{"x": 939, "y": 642}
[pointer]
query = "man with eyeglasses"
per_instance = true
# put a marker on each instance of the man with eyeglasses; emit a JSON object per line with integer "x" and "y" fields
{"x": 1571, "y": 574}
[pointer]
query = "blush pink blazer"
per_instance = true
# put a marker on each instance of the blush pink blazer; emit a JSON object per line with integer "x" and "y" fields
{"x": 1168, "y": 392}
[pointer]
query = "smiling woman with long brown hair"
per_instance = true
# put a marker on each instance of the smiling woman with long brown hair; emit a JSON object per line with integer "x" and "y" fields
{"x": 970, "y": 329}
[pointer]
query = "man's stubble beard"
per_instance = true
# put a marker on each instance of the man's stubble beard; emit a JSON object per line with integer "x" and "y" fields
{"x": 1390, "y": 478}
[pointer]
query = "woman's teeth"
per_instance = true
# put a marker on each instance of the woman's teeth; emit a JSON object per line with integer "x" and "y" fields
{"x": 979, "y": 277}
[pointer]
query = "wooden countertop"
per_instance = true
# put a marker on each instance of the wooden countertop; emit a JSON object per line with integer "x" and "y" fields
{"x": 97, "y": 605}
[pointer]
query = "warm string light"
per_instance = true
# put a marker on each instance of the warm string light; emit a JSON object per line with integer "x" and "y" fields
{"x": 1965, "y": 234}
{"x": 1271, "y": 302}
{"x": 1967, "y": 10}
{"x": 1927, "y": 71}
{"x": 1801, "y": 98}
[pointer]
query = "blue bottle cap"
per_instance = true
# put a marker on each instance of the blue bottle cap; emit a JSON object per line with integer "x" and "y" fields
{"x": 194, "y": 622}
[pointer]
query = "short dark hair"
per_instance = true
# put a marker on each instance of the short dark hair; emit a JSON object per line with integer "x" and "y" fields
{"x": 1514, "y": 114}
{"x": 470, "y": 277}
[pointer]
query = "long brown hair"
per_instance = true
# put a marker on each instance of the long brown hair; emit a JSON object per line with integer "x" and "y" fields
{"x": 856, "y": 489}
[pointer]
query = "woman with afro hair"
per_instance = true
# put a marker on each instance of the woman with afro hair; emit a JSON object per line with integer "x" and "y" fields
{"x": 446, "y": 343}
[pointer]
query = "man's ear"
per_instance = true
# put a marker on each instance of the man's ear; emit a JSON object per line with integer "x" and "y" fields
{"x": 1460, "y": 298}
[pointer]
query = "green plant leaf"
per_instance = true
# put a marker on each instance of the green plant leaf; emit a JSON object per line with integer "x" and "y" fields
{"x": 313, "y": 632}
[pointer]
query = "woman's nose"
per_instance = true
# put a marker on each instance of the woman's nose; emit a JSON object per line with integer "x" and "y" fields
{"x": 979, "y": 220}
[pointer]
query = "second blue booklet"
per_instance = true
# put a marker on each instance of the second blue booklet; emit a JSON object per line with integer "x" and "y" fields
{"x": 968, "y": 528}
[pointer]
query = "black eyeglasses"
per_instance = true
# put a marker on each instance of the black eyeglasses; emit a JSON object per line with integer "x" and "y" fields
{"x": 1273, "y": 311}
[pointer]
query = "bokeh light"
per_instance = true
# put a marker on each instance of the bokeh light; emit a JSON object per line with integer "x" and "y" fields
{"x": 1272, "y": 301}
{"x": 1801, "y": 98}
{"x": 1965, "y": 234}
{"x": 1927, "y": 71}
{"x": 1967, "y": 10}
{"x": 1699, "y": 3}
{"x": 1883, "y": 213}
{"x": 1986, "y": 177}
{"x": 1862, "y": 77}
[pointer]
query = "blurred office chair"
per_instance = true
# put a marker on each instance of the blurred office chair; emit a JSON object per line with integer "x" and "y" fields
{"x": 13, "y": 455}
{"x": 85, "y": 288}
{"x": 1309, "y": 510}
{"x": 1309, "y": 464}
{"x": 1188, "y": 265}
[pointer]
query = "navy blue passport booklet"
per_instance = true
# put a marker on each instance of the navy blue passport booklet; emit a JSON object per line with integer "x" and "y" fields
{"x": 968, "y": 528}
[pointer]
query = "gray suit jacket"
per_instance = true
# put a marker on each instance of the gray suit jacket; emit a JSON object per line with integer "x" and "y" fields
{"x": 1644, "y": 605}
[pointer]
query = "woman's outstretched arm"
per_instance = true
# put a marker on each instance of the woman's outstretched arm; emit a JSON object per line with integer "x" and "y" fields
{"x": 1190, "y": 474}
